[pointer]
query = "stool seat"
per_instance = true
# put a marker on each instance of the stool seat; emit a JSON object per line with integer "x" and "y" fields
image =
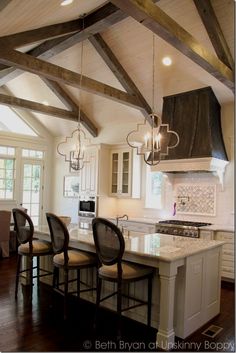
{"x": 29, "y": 248}
{"x": 129, "y": 271}
{"x": 38, "y": 247}
{"x": 66, "y": 259}
{"x": 76, "y": 258}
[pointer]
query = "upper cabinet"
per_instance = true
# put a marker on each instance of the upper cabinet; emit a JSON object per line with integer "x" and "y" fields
{"x": 121, "y": 172}
{"x": 89, "y": 173}
{"x": 94, "y": 177}
{"x": 125, "y": 173}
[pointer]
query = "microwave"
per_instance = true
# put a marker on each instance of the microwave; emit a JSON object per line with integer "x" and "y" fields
{"x": 87, "y": 207}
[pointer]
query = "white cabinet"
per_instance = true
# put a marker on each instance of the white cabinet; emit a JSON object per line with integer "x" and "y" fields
{"x": 125, "y": 173}
{"x": 227, "y": 265}
{"x": 206, "y": 234}
{"x": 89, "y": 173}
{"x": 94, "y": 177}
{"x": 120, "y": 184}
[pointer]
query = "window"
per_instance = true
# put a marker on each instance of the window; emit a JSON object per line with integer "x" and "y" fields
{"x": 154, "y": 183}
{"x": 9, "y": 151}
{"x": 7, "y": 182}
{"x": 32, "y": 154}
{"x": 10, "y": 121}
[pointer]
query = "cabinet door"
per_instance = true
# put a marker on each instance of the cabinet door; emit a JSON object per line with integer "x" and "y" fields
{"x": 89, "y": 174}
{"x": 121, "y": 173}
{"x": 114, "y": 172}
{"x": 125, "y": 174}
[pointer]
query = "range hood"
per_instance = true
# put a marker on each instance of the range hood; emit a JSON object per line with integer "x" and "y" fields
{"x": 196, "y": 117}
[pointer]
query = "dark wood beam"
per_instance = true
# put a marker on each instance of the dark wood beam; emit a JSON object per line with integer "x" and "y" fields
{"x": 213, "y": 28}
{"x": 71, "y": 104}
{"x": 113, "y": 63}
{"x": 4, "y": 3}
{"x": 39, "y": 34}
{"x": 61, "y": 75}
{"x": 152, "y": 17}
{"x": 37, "y": 107}
{"x": 95, "y": 22}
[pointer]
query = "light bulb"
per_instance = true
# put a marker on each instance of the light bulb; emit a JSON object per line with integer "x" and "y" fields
{"x": 66, "y": 2}
{"x": 167, "y": 61}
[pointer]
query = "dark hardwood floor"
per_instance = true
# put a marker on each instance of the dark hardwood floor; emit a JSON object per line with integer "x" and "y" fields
{"x": 40, "y": 327}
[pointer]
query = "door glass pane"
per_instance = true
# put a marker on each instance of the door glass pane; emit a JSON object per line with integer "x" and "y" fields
{"x": 125, "y": 172}
{"x": 114, "y": 186}
{"x": 31, "y": 190}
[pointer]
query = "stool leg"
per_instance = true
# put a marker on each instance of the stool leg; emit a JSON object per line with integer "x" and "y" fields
{"x": 38, "y": 270}
{"x": 31, "y": 275}
{"x": 98, "y": 297}
{"x": 65, "y": 292}
{"x": 78, "y": 283}
{"x": 17, "y": 274}
{"x": 119, "y": 303}
{"x": 149, "y": 301}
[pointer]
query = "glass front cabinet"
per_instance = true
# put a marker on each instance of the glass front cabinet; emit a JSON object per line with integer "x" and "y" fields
{"x": 121, "y": 173}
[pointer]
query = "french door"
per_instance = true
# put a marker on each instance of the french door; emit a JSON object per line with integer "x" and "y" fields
{"x": 31, "y": 189}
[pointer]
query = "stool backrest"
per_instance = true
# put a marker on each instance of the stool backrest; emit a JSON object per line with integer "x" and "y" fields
{"x": 109, "y": 241}
{"x": 23, "y": 225}
{"x": 59, "y": 234}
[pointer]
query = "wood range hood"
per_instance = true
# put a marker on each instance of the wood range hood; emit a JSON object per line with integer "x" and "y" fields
{"x": 196, "y": 117}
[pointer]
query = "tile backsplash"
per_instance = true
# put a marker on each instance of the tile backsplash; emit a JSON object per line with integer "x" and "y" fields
{"x": 198, "y": 199}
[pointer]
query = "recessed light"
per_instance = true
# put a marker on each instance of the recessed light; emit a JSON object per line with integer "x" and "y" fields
{"x": 66, "y": 2}
{"x": 166, "y": 61}
{"x": 45, "y": 103}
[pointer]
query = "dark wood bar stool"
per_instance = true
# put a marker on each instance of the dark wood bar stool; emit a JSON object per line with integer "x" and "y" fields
{"x": 67, "y": 259}
{"x": 110, "y": 246}
{"x": 29, "y": 247}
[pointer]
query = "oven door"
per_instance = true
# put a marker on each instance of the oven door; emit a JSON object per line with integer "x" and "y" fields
{"x": 87, "y": 206}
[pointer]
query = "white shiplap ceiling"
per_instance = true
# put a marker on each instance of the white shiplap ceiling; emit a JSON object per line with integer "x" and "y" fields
{"x": 131, "y": 42}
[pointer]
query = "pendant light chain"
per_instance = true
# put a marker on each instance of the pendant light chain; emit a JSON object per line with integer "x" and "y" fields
{"x": 81, "y": 77}
{"x": 153, "y": 72}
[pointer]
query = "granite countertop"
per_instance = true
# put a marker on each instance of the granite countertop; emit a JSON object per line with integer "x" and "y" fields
{"x": 146, "y": 220}
{"x": 157, "y": 246}
{"x": 219, "y": 227}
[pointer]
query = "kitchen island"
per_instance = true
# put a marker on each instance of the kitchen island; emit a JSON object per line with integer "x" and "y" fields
{"x": 186, "y": 285}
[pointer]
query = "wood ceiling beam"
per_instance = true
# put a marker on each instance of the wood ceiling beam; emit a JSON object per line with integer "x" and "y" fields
{"x": 95, "y": 22}
{"x": 71, "y": 104}
{"x": 4, "y": 3}
{"x": 35, "y": 35}
{"x": 113, "y": 63}
{"x": 213, "y": 28}
{"x": 152, "y": 17}
{"x": 61, "y": 75}
{"x": 37, "y": 107}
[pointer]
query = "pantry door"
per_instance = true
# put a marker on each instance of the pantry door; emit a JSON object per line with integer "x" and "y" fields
{"x": 32, "y": 189}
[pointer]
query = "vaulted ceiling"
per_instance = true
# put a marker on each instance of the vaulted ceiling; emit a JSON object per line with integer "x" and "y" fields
{"x": 117, "y": 58}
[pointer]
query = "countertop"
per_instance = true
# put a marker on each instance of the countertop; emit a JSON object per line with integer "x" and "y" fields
{"x": 153, "y": 221}
{"x": 157, "y": 246}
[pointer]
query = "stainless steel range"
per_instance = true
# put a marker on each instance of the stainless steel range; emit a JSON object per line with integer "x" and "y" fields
{"x": 181, "y": 228}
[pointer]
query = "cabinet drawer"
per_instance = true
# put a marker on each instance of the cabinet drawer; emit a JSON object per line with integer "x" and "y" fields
{"x": 226, "y": 274}
{"x": 227, "y": 264}
{"x": 229, "y": 237}
{"x": 141, "y": 228}
{"x": 228, "y": 247}
{"x": 228, "y": 255}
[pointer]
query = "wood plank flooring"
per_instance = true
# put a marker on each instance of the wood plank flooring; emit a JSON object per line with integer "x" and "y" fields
{"x": 40, "y": 327}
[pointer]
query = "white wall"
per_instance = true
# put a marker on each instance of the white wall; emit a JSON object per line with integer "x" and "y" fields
{"x": 62, "y": 206}
{"x": 43, "y": 142}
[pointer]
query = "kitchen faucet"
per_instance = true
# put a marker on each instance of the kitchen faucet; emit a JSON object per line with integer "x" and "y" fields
{"x": 121, "y": 217}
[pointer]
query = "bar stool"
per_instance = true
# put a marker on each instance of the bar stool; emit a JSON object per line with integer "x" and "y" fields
{"x": 110, "y": 246}
{"x": 29, "y": 248}
{"x": 67, "y": 259}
